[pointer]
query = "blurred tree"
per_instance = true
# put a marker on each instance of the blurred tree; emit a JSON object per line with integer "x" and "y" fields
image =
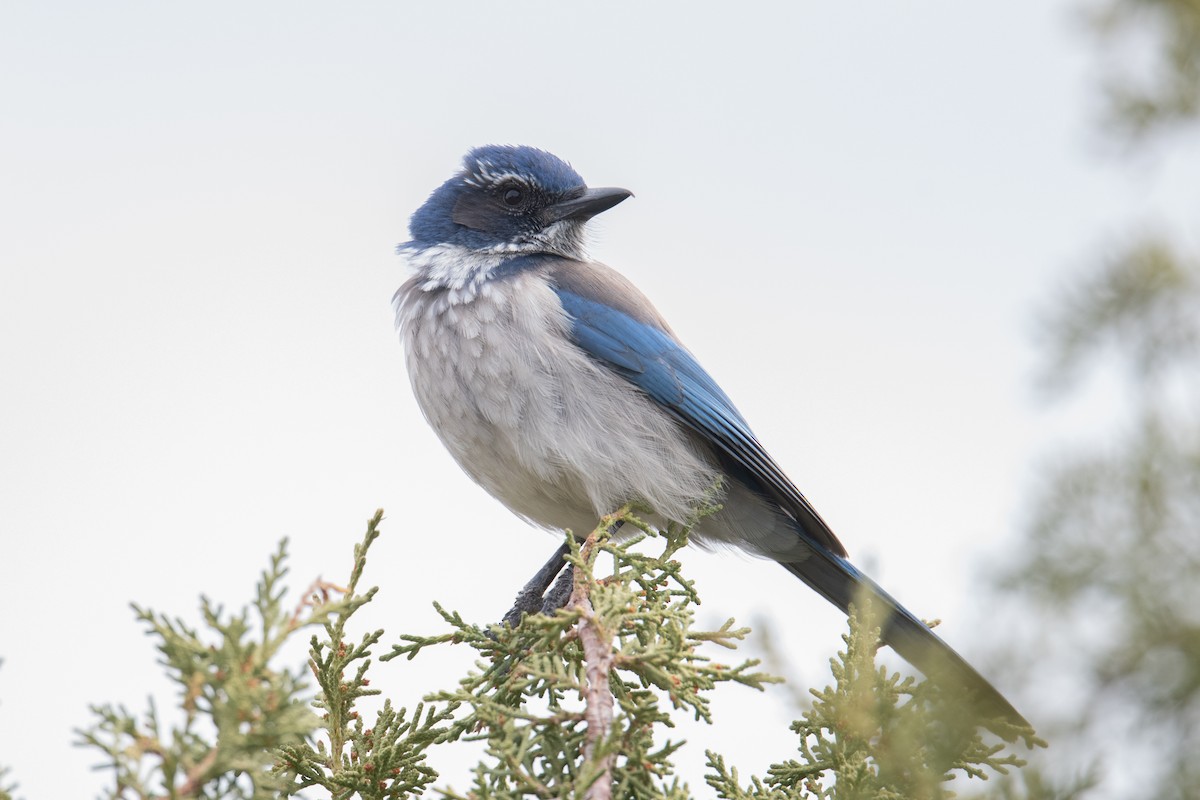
{"x": 1111, "y": 559}
{"x": 1151, "y": 71}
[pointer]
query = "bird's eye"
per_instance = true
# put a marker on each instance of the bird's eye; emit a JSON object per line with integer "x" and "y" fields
{"x": 513, "y": 197}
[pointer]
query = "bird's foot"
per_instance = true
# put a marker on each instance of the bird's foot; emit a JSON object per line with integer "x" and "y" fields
{"x": 530, "y": 599}
{"x": 560, "y": 592}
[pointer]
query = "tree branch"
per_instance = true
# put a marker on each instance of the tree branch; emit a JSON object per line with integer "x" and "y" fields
{"x": 598, "y": 662}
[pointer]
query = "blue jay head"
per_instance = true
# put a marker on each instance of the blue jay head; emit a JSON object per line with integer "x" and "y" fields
{"x": 511, "y": 199}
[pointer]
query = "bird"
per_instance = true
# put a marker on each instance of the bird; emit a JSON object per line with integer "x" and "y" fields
{"x": 559, "y": 388}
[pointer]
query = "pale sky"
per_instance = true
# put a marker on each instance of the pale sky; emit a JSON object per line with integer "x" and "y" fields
{"x": 850, "y": 214}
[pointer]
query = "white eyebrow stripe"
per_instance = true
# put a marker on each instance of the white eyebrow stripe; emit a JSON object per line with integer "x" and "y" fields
{"x": 485, "y": 177}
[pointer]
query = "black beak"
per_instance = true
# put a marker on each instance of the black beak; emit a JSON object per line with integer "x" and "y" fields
{"x": 586, "y": 205}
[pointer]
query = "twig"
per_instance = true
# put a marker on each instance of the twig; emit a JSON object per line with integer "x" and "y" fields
{"x": 198, "y": 774}
{"x": 598, "y": 663}
{"x": 317, "y": 594}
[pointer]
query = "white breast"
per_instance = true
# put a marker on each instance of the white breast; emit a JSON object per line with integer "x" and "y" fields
{"x": 529, "y": 416}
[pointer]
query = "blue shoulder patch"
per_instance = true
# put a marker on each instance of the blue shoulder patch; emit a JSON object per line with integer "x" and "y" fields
{"x": 645, "y": 356}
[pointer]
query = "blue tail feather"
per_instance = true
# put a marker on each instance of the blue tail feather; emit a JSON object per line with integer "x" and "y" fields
{"x": 841, "y": 583}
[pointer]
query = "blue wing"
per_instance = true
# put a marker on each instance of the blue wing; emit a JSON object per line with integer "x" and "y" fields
{"x": 651, "y": 359}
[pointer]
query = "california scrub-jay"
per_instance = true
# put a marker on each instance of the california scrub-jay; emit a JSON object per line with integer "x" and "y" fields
{"x": 559, "y": 389}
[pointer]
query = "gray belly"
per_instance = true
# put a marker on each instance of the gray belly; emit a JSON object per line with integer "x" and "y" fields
{"x": 536, "y": 422}
{"x": 553, "y": 435}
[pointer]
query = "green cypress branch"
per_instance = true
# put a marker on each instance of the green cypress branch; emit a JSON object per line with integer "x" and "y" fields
{"x": 573, "y": 704}
{"x": 385, "y": 760}
{"x": 236, "y": 705}
{"x": 874, "y": 734}
{"x": 577, "y": 703}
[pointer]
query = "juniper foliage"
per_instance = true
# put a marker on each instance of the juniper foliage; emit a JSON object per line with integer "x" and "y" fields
{"x": 874, "y": 734}
{"x": 579, "y": 703}
{"x": 237, "y": 705}
{"x": 534, "y": 697}
{"x": 347, "y": 758}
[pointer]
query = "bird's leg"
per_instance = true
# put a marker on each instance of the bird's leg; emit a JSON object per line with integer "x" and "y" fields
{"x": 560, "y": 592}
{"x": 529, "y": 599}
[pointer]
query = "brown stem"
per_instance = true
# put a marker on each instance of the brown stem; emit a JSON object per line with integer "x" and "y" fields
{"x": 598, "y": 663}
{"x": 197, "y": 775}
{"x": 317, "y": 594}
